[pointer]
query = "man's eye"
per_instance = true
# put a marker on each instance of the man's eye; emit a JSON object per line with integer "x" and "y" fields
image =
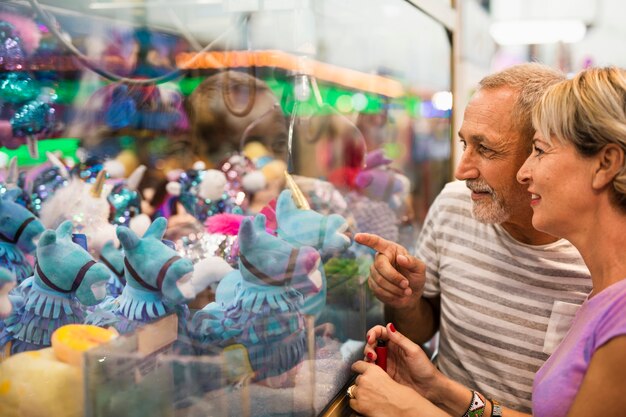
{"x": 484, "y": 149}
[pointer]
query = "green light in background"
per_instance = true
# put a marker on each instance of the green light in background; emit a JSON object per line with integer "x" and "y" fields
{"x": 344, "y": 103}
{"x": 359, "y": 102}
{"x": 67, "y": 146}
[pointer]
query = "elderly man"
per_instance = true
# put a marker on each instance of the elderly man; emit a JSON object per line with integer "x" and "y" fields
{"x": 483, "y": 276}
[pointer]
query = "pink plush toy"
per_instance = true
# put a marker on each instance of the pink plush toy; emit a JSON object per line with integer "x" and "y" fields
{"x": 379, "y": 182}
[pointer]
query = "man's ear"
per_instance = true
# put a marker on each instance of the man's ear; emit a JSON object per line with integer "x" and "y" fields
{"x": 610, "y": 164}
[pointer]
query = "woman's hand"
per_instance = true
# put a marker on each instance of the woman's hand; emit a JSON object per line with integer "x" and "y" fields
{"x": 376, "y": 394}
{"x": 407, "y": 363}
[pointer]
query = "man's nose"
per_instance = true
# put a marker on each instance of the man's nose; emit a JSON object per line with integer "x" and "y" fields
{"x": 466, "y": 169}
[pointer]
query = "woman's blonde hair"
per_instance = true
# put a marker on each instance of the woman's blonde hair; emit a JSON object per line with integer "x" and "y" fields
{"x": 588, "y": 111}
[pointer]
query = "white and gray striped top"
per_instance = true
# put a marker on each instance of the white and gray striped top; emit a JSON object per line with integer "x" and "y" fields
{"x": 503, "y": 303}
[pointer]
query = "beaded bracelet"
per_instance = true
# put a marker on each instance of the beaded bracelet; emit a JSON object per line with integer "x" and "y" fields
{"x": 476, "y": 407}
{"x": 496, "y": 410}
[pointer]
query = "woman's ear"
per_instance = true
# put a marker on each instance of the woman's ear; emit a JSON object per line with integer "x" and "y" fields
{"x": 610, "y": 164}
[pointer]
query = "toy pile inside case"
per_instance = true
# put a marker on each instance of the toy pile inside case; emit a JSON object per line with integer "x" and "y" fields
{"x": 179, "y": 192}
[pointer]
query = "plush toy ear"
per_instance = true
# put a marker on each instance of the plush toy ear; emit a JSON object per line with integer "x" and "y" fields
{"x": 12, "y": 194}
{"x": 376, "y": 158}
{"x": 157, "y": 228}
{"x": 247, "y": 235}
{"x": 127, "y": 237}
{"x": 285, "y": 203}
{"x": 133, "y": 180}
{"x": 259, "y": 222}
{"x": 57, "y": 163}
{"x": 65, "y": 229}
{"x": 47, "y": 238}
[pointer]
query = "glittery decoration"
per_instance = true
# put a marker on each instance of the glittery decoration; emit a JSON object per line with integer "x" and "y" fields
{"x": 32, "y": 118}
{"x": 88, "y": 169}
{"x": 140, "y": 107}
{"x": 45, "y": 184}
{"x": 12, "y": 56}
{"x": 197, "y": 246}
{"x": 202, "y": 208}
{"x": 125, "y": 204}
{"x": 235, "y": 168}
{"x": 17, "y": 87}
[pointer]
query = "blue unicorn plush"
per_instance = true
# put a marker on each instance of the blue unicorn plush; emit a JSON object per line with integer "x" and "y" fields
{"x": 18, "y": 229}
{"x": 7, "y": 282}
{"x": 158, "y": 281}
{"x": 113, "y": 258}
{"x": 302, "y": 227}
{"x": 257, "y": 305}
{"x": 66, "y": 280}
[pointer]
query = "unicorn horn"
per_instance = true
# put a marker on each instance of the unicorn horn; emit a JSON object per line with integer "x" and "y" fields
{"x": 133, "y": 180}
{"x": 96, "y": 188}
{"x": 12, "y": 174}
{"x": 54, "y": 160}
{"x": 298, "y": 198}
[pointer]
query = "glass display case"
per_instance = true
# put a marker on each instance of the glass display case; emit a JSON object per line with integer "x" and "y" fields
{"x": 221, "y": 106}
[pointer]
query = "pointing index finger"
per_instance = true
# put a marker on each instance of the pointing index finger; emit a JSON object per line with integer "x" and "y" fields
{"x": 376, "y": 242}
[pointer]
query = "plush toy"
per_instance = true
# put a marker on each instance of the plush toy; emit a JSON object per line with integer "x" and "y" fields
{"x": 7, "y": 283}
{"x": 379, "y": 182}
{"x": 125, "y": 202}
{"x": 201, "y": 191}
{"x": 41, "y": 182}
{"x": 88, "y": 209}
{"x": 18, "y": 229}
{"x": 14, "y": 181}
{"x": 113, "y": 258}
{"x": 302, "y": 227}
{"x": 257, "y": 305}
{"x": 66, "y": 280}
{"x": 26, "y": 114}
{"x": 375, "y": 194}
{"x": 158, "y": 282}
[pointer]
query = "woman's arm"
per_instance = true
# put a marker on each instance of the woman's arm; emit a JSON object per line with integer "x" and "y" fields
{"x": 603, "y": 391}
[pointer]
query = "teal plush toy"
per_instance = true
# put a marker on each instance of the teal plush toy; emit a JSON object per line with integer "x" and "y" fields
{"x": 302, "y": 227}
{"x": 18, "y": 229}
{"x": 113, "y": 258}
{"x": 66, "y": 280}
{"x": 7, "y": 283}
{"x": 158, "y": 281}
{"x": 258, "y": 306}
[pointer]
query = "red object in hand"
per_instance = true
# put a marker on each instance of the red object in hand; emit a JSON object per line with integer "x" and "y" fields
{"x": 381, "y": 354}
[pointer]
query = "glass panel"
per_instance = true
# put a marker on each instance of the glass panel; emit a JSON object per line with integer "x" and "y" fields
{"x": 218, "y": 99}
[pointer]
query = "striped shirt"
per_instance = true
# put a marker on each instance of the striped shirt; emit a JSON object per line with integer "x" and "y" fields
{"x": 503, "y": 303}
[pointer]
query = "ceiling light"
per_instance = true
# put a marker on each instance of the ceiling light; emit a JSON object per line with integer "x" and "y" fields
{"x": 527, "y": 32}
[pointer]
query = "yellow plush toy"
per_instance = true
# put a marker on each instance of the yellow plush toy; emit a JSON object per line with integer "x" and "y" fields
{"x": 49, "y": 382}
